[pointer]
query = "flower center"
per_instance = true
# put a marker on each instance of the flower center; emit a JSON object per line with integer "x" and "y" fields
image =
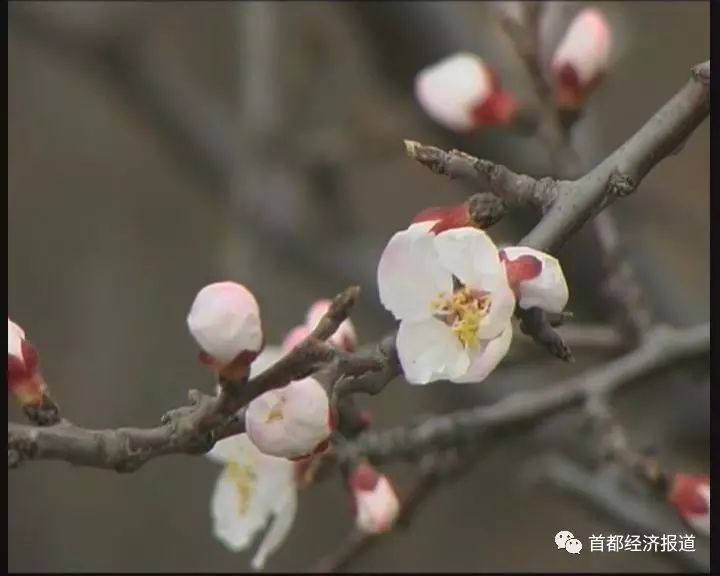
{"x": 463, "y": 310}
{"x": 244, "y": 478}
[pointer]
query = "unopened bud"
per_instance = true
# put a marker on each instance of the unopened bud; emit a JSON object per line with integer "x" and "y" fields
{"x": 376, "y": 503}
{"x": 690, "y": 494}
{"x": 225, "y": 321}
{"x": 581, "y": 58}
{"x": 24, "y": 380}
{"x": 462, "y": 93}
{"x": 291, "y": 422}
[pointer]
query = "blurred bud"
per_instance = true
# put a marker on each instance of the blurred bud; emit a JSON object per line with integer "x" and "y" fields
{"x": 344, "y": 337}
{"x": 462, "y": 93}
{"x": 581, "y": 58}
{"x": 225, "y": 321}
{"x": 291, "y": 422}
{"x": 690, "y": 494}
{"x": 376, "y": 503}
{"x": 24, "y": 379}
{"x": 294, "y": 337}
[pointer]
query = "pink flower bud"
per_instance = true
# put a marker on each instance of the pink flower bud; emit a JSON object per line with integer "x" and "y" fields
{"x": 291, "y": 422}
{"x": 376, "y": 503}
{"x": 344, "y": 337}
{"x": 462, "y": 93}
{"x": 23, "y": 373}
{"x": 581, "y": 58}
{"x": 690, "y": 495}
{"x": 294, "y": 337}
{"x": 225, "y": 321}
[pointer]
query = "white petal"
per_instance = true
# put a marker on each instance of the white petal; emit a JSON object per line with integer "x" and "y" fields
{"x": 548, "y": 290}
{"x": 502, "y": 306}
{"x": 410, "y": 275}
{"x": 450, "y": 89}
{"x": 471, "y": 255}
{"x": 267, "y": 358}
{"x": 15, "y": 337}
{"x": 247, "y": 493}
{"x": 279, "y": 528}
{"x": 225, "y": 320}
{"x": 428, "y": 351}
{"x": 487, "y": 356}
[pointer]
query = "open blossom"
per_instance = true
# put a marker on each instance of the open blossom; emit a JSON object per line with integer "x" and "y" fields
{"x": 690, "y": 494}
{"x": 252, "y": 490}
{"x": 454, "y": 293}
{"x": 23, "y": 375}
{"x": 581, "y": 58}
{"x": 462, "y": 93}
{"x": 375, "y": 501}
{"x": 452, "y": 332}
{"x": 291, "y": 422}
{"x": 225, "y": 321}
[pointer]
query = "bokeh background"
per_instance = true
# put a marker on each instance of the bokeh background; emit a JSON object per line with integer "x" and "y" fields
{"x": 155, "y": 147}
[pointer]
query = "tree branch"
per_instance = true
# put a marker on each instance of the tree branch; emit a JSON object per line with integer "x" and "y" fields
{"x": 663, "y": 347}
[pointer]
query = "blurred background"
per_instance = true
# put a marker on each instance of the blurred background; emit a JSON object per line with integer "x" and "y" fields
{"x": 156, "y": 147}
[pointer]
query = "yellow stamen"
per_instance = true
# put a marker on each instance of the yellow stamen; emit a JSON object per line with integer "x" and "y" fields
{"x": 463, "y": 311}
{"x": 244, "y": 478}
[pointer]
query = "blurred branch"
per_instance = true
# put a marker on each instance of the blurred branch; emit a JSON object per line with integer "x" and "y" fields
{"x": 601, "y": 492}
{"x": 662, "y": 348}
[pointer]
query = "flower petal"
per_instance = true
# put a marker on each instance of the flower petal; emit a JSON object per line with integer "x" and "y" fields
{"x": 501, "y": 310}
{"x": 284, "y": 516}
{"x": 410, "y": 275}
{"x": 247, "y": 493}
{"x": 548, "y": 290}
{"x": 471, "y": 255}
{"x": 15, "y": 337}
{"x": 487, "y": 357}
{"x": 428, "y": 351}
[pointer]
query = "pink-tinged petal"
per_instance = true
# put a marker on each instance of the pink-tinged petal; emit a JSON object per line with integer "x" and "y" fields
{"x": 429, "y": 351}
{"x": 548, "y": 289}
{"x": 451, "y": 89}
{"x": 486, "y": 356}
{"x": 582, "y": 57}
{"x": 344, "y": 338}
{"x": 294, "y": 337}
{"x": 445, "y": 217}
{"x": 410, "y": 275}
{"x": 225, "y": 321}
{"x": 291, "y": 422}
{"x": 376, "y": 503}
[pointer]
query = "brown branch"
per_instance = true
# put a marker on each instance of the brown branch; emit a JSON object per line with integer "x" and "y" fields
{"x": 662, "y": 348}
{"x": 189, "y": 429}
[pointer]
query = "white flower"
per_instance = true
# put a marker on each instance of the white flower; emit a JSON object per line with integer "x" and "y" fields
{"x": 290, "y": 422}
{"x": 225, "y": 321}
{"x": 376, "y": 503}
{"x": 581, "y": 58}
{"x": 691, "y": 497}
{"x": 536, "y": 277}
{"x": 458, "y": 333}
{"x": 252, "y": 489}
{"x": 344, "y": 337}
{"x": 462, "y": 93}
